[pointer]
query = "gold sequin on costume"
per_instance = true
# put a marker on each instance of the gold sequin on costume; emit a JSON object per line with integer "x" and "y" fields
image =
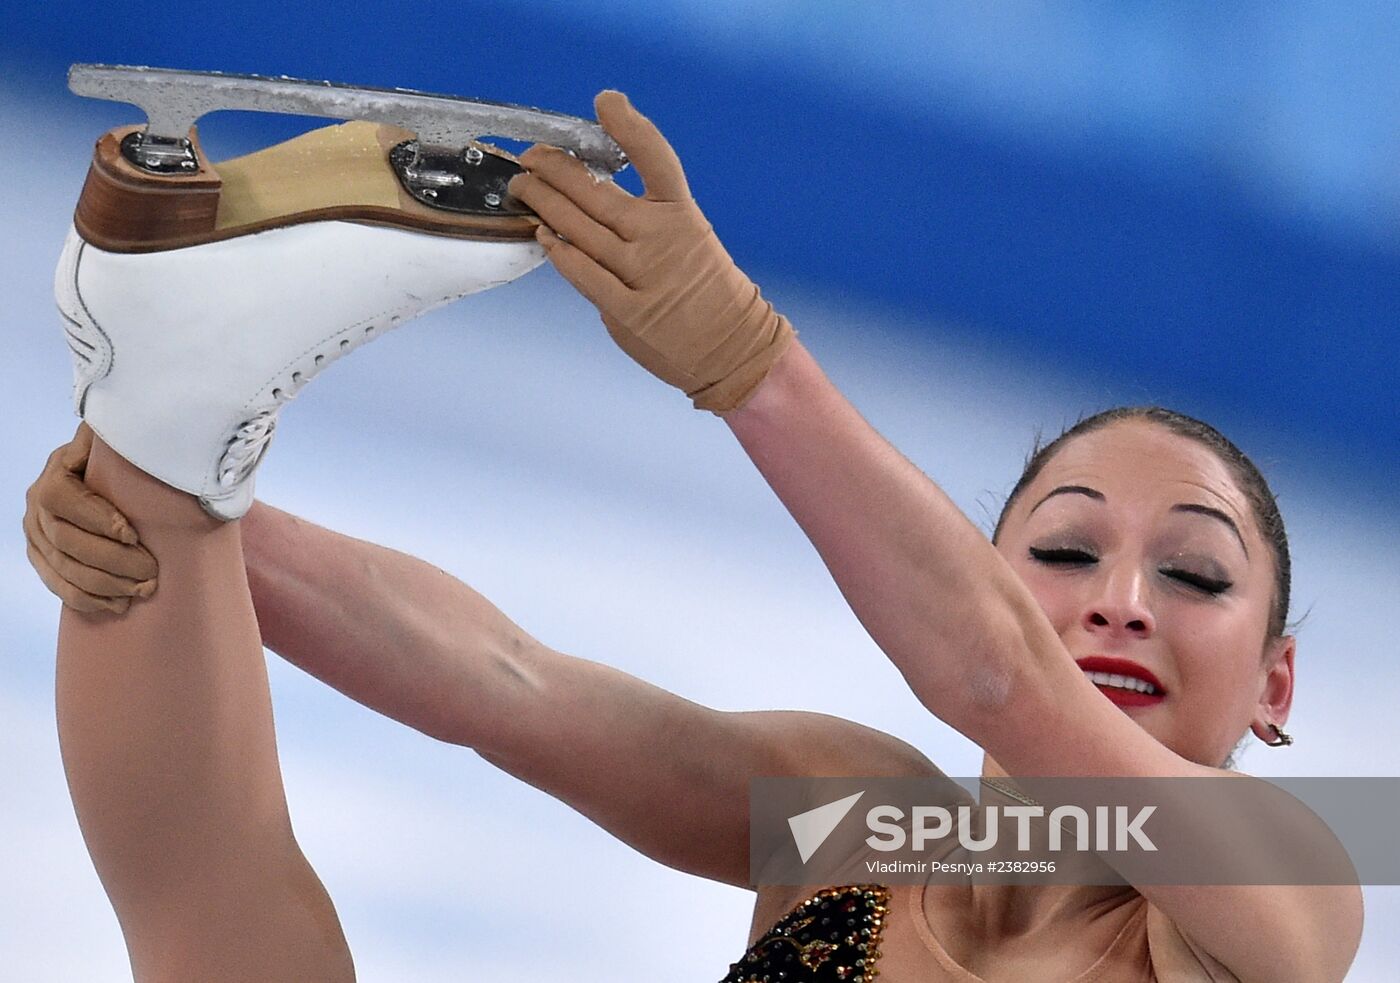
{"x": 832, "y": 937}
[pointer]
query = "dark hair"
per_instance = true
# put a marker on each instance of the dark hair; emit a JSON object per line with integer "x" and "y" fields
{"x": 1250, "y": 481}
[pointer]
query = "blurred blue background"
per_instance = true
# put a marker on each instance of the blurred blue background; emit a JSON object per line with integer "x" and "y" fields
{"x": 985, "y": 219}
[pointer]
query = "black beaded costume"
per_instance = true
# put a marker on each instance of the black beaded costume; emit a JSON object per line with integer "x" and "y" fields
{"x": 832, "y": 937}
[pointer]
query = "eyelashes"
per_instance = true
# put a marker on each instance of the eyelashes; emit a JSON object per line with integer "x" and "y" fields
{"x": 1062, "y": 556}
{"x": 1072, "y": 557}
{"x": 1207, "y": 585}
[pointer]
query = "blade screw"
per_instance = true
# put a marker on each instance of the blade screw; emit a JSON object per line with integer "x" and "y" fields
{"x": 492, "y": 200}
{"x": 473, "y": 155}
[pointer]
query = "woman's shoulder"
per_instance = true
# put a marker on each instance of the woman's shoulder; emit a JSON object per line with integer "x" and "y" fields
{"x": 826, "y": 746}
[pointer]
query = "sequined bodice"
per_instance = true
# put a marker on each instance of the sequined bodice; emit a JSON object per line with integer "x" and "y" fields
{"x": 832, "y": 937}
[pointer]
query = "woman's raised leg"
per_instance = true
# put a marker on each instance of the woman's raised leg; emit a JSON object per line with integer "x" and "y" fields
{"x": 165, "y": 723}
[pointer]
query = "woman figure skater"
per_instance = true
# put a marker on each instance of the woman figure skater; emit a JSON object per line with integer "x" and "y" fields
{"x": 1140, "y": 536}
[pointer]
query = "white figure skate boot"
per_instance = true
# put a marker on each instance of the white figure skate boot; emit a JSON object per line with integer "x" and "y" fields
{"x": 197, "y": 300}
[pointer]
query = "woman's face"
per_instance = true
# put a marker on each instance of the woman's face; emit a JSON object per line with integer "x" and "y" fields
{"x": 1140, "y": 547}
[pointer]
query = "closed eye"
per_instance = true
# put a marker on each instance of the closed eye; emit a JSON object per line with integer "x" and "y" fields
{"x": 1208, "y": 585}
{"x": 1072, "y": 557}
{"x": 1068, "y": 556}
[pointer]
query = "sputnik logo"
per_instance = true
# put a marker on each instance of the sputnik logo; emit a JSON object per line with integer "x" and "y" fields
{"x": 811, "y": 828}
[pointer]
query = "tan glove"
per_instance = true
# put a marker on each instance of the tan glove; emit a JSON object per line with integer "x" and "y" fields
{"x": 668, "y": 292}
{"x": 83, "y": 549}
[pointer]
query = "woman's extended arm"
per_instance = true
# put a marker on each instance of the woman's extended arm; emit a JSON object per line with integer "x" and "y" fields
{"x": 926, "y": 584}
{"x": 665, "y": 775}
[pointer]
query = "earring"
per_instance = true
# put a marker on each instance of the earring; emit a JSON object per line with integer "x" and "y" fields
{"x": 1280, "y": 738}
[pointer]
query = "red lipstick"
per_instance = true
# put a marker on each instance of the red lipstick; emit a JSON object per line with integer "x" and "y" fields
{"x": 1126, "y": 668}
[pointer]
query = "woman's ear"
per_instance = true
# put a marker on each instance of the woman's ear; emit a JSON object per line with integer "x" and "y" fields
{"x": 1276, "y": 696}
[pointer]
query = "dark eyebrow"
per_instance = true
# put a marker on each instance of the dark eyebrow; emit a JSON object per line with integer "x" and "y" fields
{"x": 1069, "y": 490}
{"x": 1214, "y": 514}
{"x": 1183, "y": 507}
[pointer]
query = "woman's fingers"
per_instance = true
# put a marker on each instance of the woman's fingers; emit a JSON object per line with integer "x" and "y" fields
{"x": 63, "y": 494}
{"x": 653, "y": 157}
{"x": 602, "y": 201}
{"x": 88, "y": 580}
{"x": 70, "y": 595}
{"x": 119, "y": 559}
{"x": 602, "y": 289}
{"x": 81, "y": 547}
{"x": 561, "y": 214}
{"x": 73, "y": 456}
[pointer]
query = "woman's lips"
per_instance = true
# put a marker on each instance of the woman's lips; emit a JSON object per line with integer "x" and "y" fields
{"x": 1119, "y": 695}
{"x": 1128, "y": 697}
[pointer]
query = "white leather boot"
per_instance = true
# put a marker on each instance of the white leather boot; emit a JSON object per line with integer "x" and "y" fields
{"x": 187, "y": 339}
{"x": 182, "y": 358}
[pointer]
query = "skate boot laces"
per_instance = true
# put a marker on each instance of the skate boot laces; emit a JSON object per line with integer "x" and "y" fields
{"x": 246, "y": 448}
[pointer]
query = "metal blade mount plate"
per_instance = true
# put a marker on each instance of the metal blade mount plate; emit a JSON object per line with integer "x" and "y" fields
{"x": 173, "y": 100}
{"x": 472, "y": 182}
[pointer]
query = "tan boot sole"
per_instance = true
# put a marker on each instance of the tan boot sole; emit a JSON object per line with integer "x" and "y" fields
{"x": 336, "y": 173}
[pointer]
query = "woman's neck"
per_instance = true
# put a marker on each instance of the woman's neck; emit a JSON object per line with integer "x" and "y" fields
{"x": 1013, "y": 909}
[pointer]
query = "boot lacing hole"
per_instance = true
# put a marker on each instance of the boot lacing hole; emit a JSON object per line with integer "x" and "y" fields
{"x": 249, "y": 443}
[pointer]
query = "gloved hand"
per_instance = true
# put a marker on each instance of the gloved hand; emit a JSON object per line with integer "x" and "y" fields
{"x": 668, "y": 293}
{"x": 83, "y": 549}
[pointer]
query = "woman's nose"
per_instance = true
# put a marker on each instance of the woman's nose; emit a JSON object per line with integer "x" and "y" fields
{"x": 1120, "y": 605}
